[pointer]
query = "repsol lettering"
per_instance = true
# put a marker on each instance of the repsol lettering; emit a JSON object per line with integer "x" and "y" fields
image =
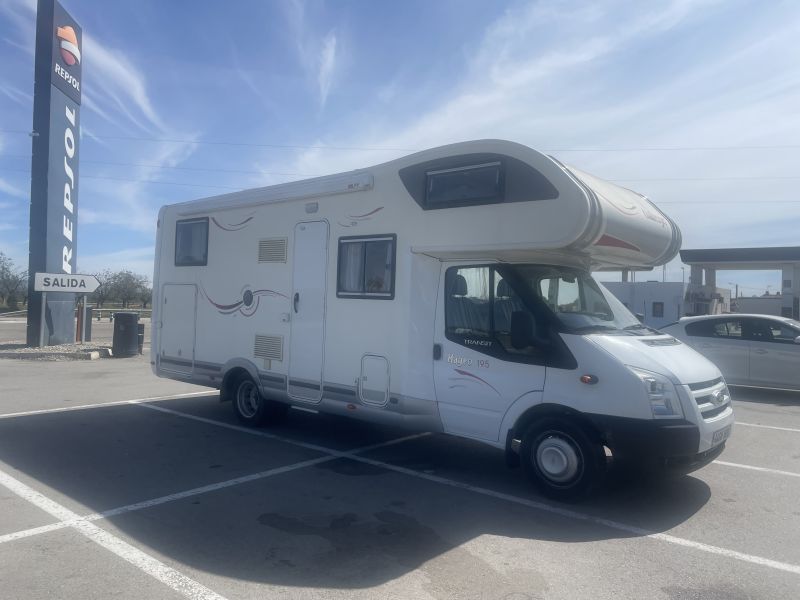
{"x": 64, "y": 74}
{"x": 69, "y": 188}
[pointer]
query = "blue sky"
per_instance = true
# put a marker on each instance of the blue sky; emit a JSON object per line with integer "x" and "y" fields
{"x": 692, "y": 102}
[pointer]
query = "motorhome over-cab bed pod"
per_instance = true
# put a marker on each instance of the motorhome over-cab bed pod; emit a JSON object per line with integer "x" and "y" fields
{"x": 487, "y": 198}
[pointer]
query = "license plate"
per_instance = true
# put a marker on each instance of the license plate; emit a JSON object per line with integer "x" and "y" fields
{"x": 720, "y": 436}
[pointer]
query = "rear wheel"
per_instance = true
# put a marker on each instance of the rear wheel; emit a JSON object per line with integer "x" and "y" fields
{"x": 561, "y": 459}
{"x": 252, "y": 408}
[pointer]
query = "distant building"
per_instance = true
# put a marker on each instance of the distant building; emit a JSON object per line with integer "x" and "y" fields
{"x": 758, "y": 305}
{"x": 660, "y": 302}
{"x": 704, "y": 265}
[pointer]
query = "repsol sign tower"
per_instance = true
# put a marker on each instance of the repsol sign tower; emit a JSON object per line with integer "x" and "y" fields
{"x": 53, "y": 245}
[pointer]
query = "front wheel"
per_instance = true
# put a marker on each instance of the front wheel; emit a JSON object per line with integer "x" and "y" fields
{"x": 561, "y": 459}
{"x": 252, "y": 408}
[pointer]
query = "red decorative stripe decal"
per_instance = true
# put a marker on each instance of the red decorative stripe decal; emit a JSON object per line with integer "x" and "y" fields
{"x": 232, "y": 227}
{"x": 372, "y": 212}
{"x": 468, "y": 374}
{"x": 613, "y": 242}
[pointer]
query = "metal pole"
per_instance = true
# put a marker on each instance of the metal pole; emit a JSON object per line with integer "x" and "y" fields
{"x": 41, "y": 320}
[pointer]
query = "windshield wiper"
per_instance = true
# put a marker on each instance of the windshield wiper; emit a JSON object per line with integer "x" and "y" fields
{"x": 640, "y": 326}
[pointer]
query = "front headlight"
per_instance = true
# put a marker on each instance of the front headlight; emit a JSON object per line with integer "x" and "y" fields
{"x": 661, "y": 392}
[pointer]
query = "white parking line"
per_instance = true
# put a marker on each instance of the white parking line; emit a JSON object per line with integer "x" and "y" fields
{"x": 753, "y": 468}
{"x": 570, "y": 514}
{"x": 10, "y": 537}
{"x": 144, "y": 562}
{"x": 44, "y": 411}
{"x": 738, "y": 423}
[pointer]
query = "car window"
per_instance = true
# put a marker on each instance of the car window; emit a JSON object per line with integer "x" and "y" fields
{"x": 757, "y": 330}
{"x": 716, "y": 328}
{"x": 782, "y": 333}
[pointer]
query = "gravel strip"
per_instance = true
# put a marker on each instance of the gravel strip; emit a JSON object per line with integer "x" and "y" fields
{"x": 18, "y": 350}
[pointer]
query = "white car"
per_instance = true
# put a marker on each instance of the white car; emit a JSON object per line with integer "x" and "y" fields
{"x": 750, "y": 350}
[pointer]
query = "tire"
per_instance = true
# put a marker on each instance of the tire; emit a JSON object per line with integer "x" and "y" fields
{"x": 251, "y": 408}
{"x": 561, "y": 459}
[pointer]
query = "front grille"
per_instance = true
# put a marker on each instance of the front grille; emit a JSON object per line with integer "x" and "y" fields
{"x": 704, "y": 384}
{"x": 710, "y": 414}
{"x": 705, "y": 393}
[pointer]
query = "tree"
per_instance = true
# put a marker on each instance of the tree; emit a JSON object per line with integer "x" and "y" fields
{"x": 13, "y": 282}
{"x": 127, "y": 286}
{"x": 104, "y": 292}
{"x": 146, "y": 294}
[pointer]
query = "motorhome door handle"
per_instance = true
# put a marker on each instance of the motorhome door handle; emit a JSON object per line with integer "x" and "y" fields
{"x": 296, "y": 300}
{"x": 760, "y": 351}
{"x": 437, "y": 351}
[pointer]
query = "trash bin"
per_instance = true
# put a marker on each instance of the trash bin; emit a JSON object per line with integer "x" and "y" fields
{"x": 140, "y": 336}
{"x": 125, "y": 342}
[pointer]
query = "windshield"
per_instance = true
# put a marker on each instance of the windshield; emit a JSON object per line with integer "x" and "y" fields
{"x": 579, "y": 303}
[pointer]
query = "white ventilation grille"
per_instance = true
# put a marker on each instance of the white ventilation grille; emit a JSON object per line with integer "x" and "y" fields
{"x": 269, "y": 347}
{"x": 272, "y": 250}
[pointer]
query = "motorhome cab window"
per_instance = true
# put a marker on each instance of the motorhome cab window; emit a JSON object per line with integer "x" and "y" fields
{"x": 477, "y": 184}
{"x": 191, "y": 242}
{"x": 481, "y": 307}
{"x": 366, "y": 267}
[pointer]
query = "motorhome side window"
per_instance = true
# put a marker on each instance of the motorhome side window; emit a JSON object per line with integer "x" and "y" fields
{"x": 477, "y": 184}
{"x": 481, "y": 309}
{"x": 366, "y": 267}
{"x": 191, "y": 243}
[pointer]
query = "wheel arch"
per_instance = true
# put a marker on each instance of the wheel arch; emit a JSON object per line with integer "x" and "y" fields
{"x": 233, "y": 370}
{"x": 541, "y": 411}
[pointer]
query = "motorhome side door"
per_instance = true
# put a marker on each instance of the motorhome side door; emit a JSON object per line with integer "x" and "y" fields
{"x": 479, "y": 374}
{"x": 309, "y": 267}
{"x": 178, "y": 313}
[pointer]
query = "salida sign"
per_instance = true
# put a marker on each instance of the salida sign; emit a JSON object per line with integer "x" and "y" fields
{"x": 57, "y": 282}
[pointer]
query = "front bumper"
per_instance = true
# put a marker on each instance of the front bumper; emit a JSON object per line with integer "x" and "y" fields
{"x": 648, "y": 440}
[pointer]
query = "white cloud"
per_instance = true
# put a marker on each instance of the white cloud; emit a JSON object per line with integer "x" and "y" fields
{"x": 317, "y": 53}
{"x": 552, "y": 76}
{"x": 327, "y": 65}
{"x": 12, "y": 190}
{"x": 122, "y": 83}
{"x": 17, "y": 96}
{"x": 139, "y": 260}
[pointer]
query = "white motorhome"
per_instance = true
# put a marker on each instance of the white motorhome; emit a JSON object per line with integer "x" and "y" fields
{"x": 448, "y": 291}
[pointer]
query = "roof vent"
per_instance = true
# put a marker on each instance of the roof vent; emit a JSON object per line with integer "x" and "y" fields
{"x": 272, "y": 250}
{"x": 269, "y": 347}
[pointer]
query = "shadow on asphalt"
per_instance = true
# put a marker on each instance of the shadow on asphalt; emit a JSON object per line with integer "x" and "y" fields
{"x": 340, "y": 523}
{"x": 765, "y": 396}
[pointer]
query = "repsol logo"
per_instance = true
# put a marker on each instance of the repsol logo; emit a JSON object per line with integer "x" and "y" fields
{"x": 69, "y": 188}
{"x": 470, "y": 342}
{"x": 65, "y": 75}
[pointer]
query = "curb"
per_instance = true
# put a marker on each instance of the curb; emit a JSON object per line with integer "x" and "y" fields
{"x": 88, "y": 355}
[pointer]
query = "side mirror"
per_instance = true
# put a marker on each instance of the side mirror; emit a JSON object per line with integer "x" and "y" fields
{"x": 523, "y": 330}
{"x": 797, "y": 340}
{"x": 640, "y": 316}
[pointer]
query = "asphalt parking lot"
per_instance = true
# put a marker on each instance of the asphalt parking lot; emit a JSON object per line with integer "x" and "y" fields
{"x": 116, "y": 484}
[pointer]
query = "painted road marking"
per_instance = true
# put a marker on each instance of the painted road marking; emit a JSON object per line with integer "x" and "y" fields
{"x": 10, "y": 537}
{"x": 557, "y": 510}
{"x": 144, "y": 562}
{"x": 768, "y": 427}
{"x": 753, "y": 468}
{"x": 103, "y": 404}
